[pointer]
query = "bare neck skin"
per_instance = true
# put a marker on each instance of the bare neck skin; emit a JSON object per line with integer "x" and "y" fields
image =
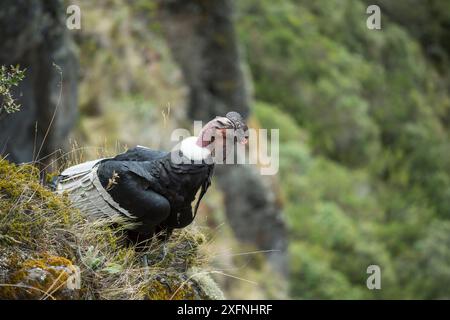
{"x": 207, "y": 135}
{"x": 212, "y": 136}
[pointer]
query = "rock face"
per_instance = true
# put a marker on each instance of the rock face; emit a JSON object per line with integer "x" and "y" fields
{"x": 34, "y": 35}
{"x": 202, "y": 39}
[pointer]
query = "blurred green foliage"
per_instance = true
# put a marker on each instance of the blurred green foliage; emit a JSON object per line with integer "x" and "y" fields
{"x": 9, "y": 78}
{"x": 364, "y": 122}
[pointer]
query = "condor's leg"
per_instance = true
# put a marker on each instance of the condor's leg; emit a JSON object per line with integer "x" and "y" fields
{"x": 178, "y": 219}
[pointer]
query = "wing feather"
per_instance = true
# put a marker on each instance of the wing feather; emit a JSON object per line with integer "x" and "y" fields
{"x": 140, "y": 153}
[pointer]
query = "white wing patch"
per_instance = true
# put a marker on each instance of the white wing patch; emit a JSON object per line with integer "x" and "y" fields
{"x": 139, "y": 146}
{"x": 81, "y": 168}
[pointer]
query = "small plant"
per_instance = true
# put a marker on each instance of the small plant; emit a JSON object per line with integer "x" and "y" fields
{"x": 9, "y": 77}
{"x": 112, "y": 181}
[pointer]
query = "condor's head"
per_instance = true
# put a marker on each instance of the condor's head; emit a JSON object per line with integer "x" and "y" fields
{"x": 223, "y": 132}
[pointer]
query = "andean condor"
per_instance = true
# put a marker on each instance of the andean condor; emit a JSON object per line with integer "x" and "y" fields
{"x": 148, "y": 186}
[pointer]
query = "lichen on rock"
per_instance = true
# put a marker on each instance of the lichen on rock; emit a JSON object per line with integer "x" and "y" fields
{"x": 41, "y": 278}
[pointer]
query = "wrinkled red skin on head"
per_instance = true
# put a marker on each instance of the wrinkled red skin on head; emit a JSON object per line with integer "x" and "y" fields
{"x": 212, "y": 132}
{"x": 209, "y": 133}
{"x": 205, "y": 136}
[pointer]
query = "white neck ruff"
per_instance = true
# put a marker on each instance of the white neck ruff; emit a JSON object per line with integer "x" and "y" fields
{"x": 192, "y": 151}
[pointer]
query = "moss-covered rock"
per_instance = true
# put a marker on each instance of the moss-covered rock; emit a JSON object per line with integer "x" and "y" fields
{"x": 48, "y": 250}
{"x": 45, "y": 277}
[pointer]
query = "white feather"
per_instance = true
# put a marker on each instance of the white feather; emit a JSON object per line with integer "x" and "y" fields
{"x": 192, "y": 151}
{"x": 81, "y": 168}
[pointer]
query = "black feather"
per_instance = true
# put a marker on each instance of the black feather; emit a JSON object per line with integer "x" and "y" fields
{"x": 154, "y": 189}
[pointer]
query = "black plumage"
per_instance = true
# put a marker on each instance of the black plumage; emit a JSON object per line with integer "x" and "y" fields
{"x": 154, "y": 189}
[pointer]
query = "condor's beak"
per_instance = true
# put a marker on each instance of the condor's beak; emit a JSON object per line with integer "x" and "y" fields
{"x": 243, "y": 140}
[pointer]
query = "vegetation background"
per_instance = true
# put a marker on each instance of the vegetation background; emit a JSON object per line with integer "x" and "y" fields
{"x": 364, "y": 119}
